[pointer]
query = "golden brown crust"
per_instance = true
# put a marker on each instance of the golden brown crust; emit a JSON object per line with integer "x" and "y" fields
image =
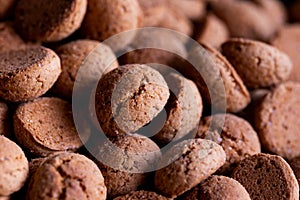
{"x": 258, "y": 64}
{"x": 54, "y": 20}
{"x": 13, "y": 167}
{"x": 267, "y": 177}
{"x": 27, "y": 74}
{"x": 46, "y": 126}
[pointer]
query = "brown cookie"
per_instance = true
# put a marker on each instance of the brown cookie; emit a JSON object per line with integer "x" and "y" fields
{"x": 142, "y": 195}
{"x": 287, "y": 40}
{"x": 184, "y": 109}
{"x": 67, "y": 176}
{"x": 106, "y": 18}
{"x": 9, "y": 39}
{"x": 5, "y": 121}
{"x": 267, "y": 177}
{"x": 258, "y": 64}
{"x": 34, "y": 164}
{"x": 234, "y": 134}
{"x": 124, "y": 162}
{"x": 28, "y": 73}
{"x": 153, "y": 11}
{"x": 216, "y": 188}
{"x": 6, "y": 7}
{"x": 129, "y": 97}
{"x": 46, "y": 126}
{"x": 237, "y": 95}
{"x": 49, "y": 20}
{"x": 72, "y": 56}
{"x": 244, "y": 19}
{"x": 176, "y": 20}
{"x": 193, "y": 9}
{"x": 195, "y": 160}
{"x": 13, "y": 167}
{"x": 213, "y": 31}
{"x": 276, "y": 120}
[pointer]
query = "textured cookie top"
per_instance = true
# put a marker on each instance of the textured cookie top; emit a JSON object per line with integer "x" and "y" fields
{"x": 258, "y": 64}
{"x": 277, "y": 121}
{"x": 49, "y": 20}
{"x": 129, "y": 97}
{"x": 13, "y": 167}
{"x": 236, "y": 136}
{"x": 46, "y": 125}
{"x": 141, "y": 195}
{"x": 237, "y": 95}
{"x": 198, "y": 159}
{"x": 216, "y": 188}
{"x": 66, "y": 175}
{"x": 267, "y": 177}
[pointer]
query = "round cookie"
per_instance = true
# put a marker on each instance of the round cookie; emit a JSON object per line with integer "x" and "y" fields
{"x": 184, "y": 110}
{"x": 124, "y": 162}
{"x": 142, "y": 195}
{"x": 193, "y": 9}
{"x": 46, "y": 126}
{"x": 9, "y": 39}
{"x": 258, "y": 64}
{"x": 216, "y": 188}
{"x": 5, "y": 121}
{"x": 287, "y": 40}
{"x": 13, "y": 167}
{"x": 153, "y": 11}
{"x": 176, "y": 20}
{"x": 276, "y": 120}
{"x": 195, "y": 160}
{"x": 106, "y": 18}
{"x": 252, "y": 21}
{"x": 237, "y": 96}
{"x": 213, "y": 31}
{"x": 72, "y": 55}
{"x": 6, "y": 7}
{"x": 28, "y": 73}
{"x": 67, "y": 176}
{"x": 267, "y": 177}
{"x": 129, "y": 97}
{"x": 236, "y": 136}
{"x": 54, "y": 20}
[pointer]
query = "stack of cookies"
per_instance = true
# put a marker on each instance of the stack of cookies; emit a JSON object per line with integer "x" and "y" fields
{"x": 202, "y": 105}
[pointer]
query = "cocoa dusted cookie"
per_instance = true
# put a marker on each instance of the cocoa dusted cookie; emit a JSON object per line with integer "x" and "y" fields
{"x": 6, "y": 7}
{"x": 67, "y": 176}
{"x": 267, "y": 177}
{"x": 13, "y": 167}
{"x": 129, "y": 97}
{"x": 9, "y": 39}
{"x": 5, "y": 121}
{"x": 258, "y": 64}
{"x": 72, "y": 56}
{"x": 287, "y": 40}
{"x": 46, "y": 126}
{"x": 190, "y": 163}
{"x": 184, "y": 109}
{"x": 244, "y": 19}
{"x": 216, "y": 188}
{"x": 153, "y": 11}
{"x": 213, "y": 31}
{"x": 54, "y": 20}
{"x": 276, "y": 120}
{"x": 125, "y": 162}
{"x": 193, "y": 9}
{"x": 27, "y": 74}
{"x": 176, "y": 20}
{"x": 106, "y": 18}
{"x": 234, "y": 134}
{"x": 142, "y": 194}
{"x": 237, "y": 96}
